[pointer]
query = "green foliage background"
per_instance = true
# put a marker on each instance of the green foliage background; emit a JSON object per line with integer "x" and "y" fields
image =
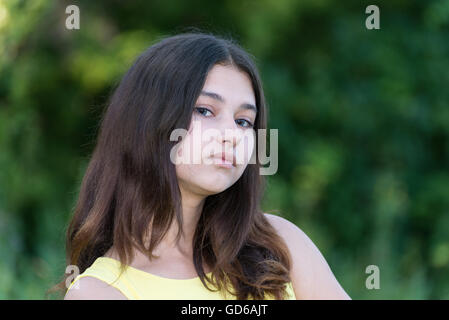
{"x": 363, "y": 121}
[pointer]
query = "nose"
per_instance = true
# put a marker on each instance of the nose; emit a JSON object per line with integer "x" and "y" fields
{"x": 229, "y": 134}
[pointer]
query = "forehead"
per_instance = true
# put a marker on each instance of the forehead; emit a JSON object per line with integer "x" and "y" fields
{"x": 234, "y": 85}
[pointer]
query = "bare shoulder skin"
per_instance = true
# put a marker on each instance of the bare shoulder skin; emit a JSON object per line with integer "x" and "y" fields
{"x": 312, "y": 278}
{"x": 90, "y": 288}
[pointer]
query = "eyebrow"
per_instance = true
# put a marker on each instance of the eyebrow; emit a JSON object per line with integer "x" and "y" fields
{"x": 216, "y": 96}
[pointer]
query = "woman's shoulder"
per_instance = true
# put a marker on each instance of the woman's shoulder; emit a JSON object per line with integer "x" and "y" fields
{"x": 292, "y": 233}
{"x": 286, "y": 228}
{"x": 99, "y": 281}
{"x": 312, "y": 278}
{"x": 91, "y": 288}
{"x": 300, "y": 245}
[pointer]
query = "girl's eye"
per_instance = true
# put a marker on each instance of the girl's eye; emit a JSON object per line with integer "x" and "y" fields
{"x": 202, "y": 110}
{"x": 248, "y": 125}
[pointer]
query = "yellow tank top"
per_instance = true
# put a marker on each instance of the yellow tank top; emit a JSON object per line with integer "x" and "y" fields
{"x": 137, "y": 284}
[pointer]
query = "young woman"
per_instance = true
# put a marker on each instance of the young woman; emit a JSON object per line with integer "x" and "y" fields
{"x": 147, "y": 226}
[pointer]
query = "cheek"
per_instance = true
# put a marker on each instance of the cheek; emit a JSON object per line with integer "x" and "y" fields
{"x": 185, "y": 172}
{"x": 198, "y": 144}
{"x": 188, "y": 151}
{"x": 245, "y": 149}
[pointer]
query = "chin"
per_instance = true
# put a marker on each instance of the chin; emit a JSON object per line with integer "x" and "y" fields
{"x": 211, "y": 190}
{"x": 208, "y": 180}
{"x": 214, "y": 186}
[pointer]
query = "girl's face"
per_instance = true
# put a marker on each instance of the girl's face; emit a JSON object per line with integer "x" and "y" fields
{"x": 221, "y": 128}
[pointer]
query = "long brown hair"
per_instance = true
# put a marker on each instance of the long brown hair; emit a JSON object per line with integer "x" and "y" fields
{"x": 130, "y": 182}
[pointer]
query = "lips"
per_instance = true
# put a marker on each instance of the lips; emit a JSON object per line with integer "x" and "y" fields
{"x": 228, "y": 157}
